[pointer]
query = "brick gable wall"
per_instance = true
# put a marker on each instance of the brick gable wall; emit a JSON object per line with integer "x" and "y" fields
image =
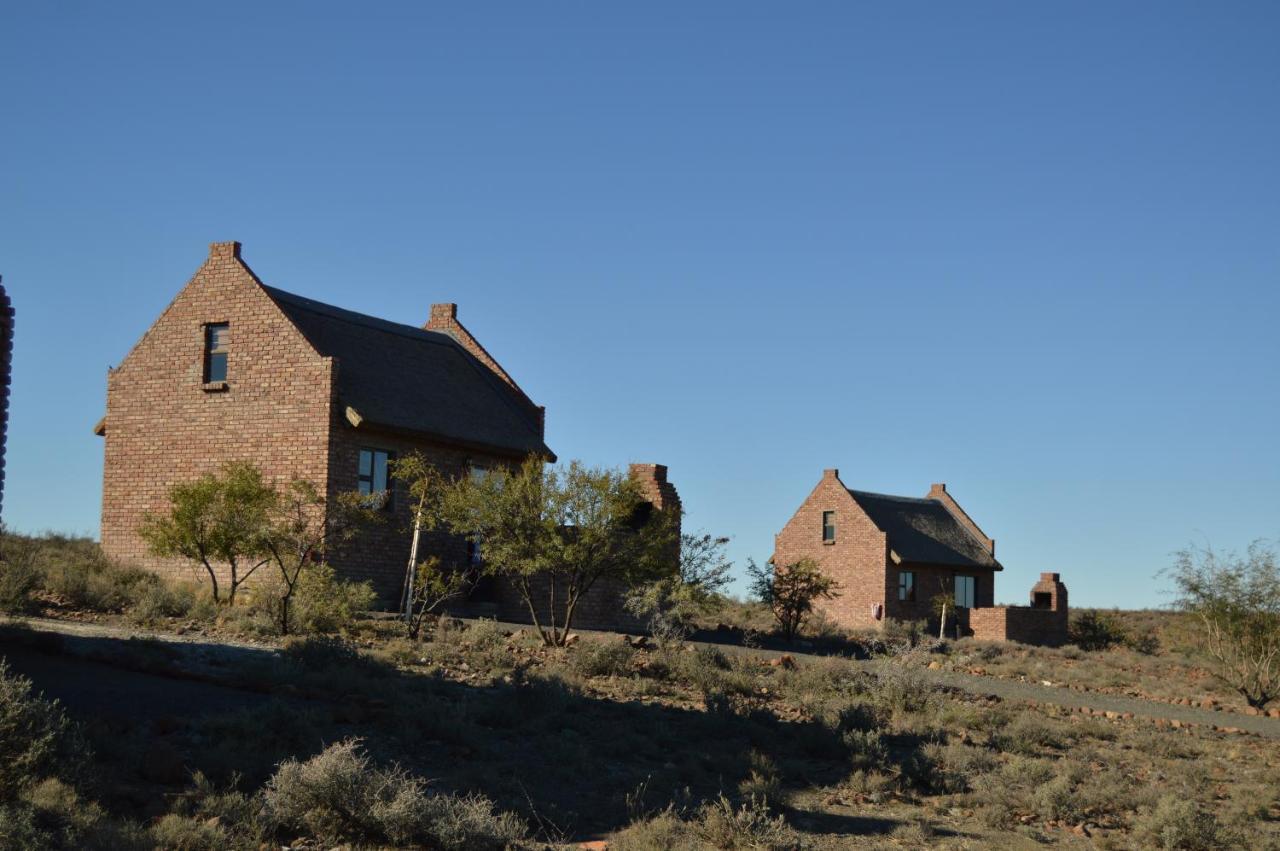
{"x": 858, "y": 560}
{"x": 164, "y": 426}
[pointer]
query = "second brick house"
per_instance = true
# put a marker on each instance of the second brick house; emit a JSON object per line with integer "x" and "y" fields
{"x": 892, "y": 555}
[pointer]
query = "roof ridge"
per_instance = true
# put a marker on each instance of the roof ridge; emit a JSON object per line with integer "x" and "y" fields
{"x": 377, "y": 323}
{"x": 855, "y": 492}
{"x": 409, "y": 332}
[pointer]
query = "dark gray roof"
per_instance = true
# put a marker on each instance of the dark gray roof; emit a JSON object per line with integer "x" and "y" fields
{"x": 409, "y": 379}
{"x": 924, "y": 531}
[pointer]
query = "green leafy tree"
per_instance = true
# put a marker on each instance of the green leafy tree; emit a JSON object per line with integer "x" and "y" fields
{"x": 1237, "y": 600}
{"x": 219, "y": 519}
{"x": 671, "y": 604}
{"x": 791, "y": 591}
{"x": 555, "y": 532}
{"x": 304, "y": 528}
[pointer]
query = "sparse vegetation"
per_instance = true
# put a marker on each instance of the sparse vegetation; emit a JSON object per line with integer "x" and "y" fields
{"x": 651, "y": 744}
{"x": 1237, "y": 600}
{"x": 553, "y": 531}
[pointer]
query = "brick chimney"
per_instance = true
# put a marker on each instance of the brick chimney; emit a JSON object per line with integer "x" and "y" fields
{"x": 652, "y": 479}
{"x": 1050, "y": 593}
{"x": 224, "y": 250}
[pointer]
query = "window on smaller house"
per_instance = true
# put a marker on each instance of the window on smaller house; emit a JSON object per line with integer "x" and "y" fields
{"x": 966, "y": 591}
{"x": 828, "y": 527}
{"x": 907, "y": 586}
{"x": 373, "y": 476}
{"x": 217, "y": 339}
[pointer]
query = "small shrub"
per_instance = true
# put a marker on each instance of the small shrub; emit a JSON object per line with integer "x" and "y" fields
{"x": 762, "y": 782}
{"x": 902, "y": 688}
{"x": 750, "y": 825}
{"x": 867, "y": 749}
{"x": 184, "y": 833}
{"x": 1178, "y": 824}
{"x": 321, "y": 653}
{"x": 1029, "y": 734}
{"x": 339, "y": 796}
{"x": 36, "y": 739}
{"x": 1091, "y": 630}
{"x": 1060, "y": 799}
{"x": 324, "y": 604}
{"x": 665, "y": 830}
{"x": 602, "y": 659}
{"x": 158, "y": 601}
{"x": 20, "y": 577}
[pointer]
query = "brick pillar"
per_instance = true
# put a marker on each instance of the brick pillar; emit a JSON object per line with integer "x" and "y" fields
{"x": 1050, "y": 584}
{"x": 6, "y": 359}
{"x": 652, "y": 479}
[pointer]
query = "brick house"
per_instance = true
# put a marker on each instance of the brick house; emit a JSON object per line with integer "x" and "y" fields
{"x": 234, "y": 370}
{"x": 891, "y": 555}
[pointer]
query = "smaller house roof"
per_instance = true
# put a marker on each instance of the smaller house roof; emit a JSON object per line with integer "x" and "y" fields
{"x": 924, "y": 531}
{"x": 410, "y": 379}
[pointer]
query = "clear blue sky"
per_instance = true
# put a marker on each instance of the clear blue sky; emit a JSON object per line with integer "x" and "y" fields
{"x": 1030, "y": 250}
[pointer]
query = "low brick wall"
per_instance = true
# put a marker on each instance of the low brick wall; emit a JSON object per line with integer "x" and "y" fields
{"x": 1019, "y": 623}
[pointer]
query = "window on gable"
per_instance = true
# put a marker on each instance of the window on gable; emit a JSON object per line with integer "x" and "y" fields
{"x": 828, "y": 526}
{"x": 966, "y": 591}
{"x": 907, "y": 586}
{"x": 217, "y": 339}
{"x": 373, "y": 475}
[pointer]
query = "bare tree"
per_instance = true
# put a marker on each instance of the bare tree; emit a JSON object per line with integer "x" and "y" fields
{"x": 1237, "y": 600}
{"x": 791, "y": 591}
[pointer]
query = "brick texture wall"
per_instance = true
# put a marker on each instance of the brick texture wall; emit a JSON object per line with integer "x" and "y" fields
{"x": 930, "y": 581}
{"x": 164, "y": 425}
{"x": 381, "y": 553}
{"x": 6, "y": 362}
{"x": 1026, "y": 624}
{"x": 858, "y": 559}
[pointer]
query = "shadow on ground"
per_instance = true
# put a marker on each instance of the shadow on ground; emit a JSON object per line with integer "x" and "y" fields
{"x": 579, "y": 765}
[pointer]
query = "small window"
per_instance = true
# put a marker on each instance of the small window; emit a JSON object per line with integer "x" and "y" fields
{"x": 217, "y": 339}
{"x": 828, "y": 527}
{"x": 907, "y": 586}
{"x": 966, "y": 591}
{"x": 1042, "y": 600}
{"x": 373, "y": 476}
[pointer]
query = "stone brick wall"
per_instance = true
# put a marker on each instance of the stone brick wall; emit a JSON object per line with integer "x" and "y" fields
{"x": 164, "y": 425}
{"x": 1026, "y": 624}
{"x": 858, "y": 559}
{"x": 6, "y": 361}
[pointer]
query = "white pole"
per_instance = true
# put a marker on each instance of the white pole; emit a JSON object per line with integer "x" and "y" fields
{"x": 410, "y": 576}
